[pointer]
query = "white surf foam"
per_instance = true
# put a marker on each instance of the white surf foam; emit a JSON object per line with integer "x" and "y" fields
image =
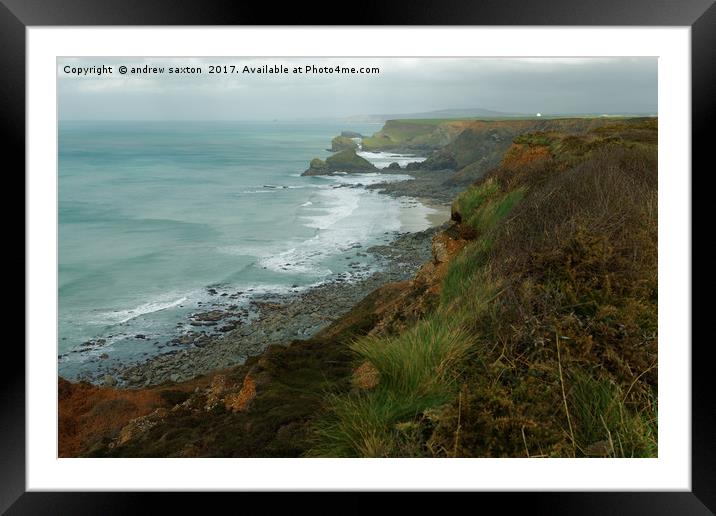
{"x": 383, "y": 159}
{"x": 342, "y": 216}
{"x": 338, "y": 203}
{"x": 343, "y": 213}
{"x": 122, "y": 316}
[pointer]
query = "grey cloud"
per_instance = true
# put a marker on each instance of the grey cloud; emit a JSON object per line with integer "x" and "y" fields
{"x": 553, "y": 85}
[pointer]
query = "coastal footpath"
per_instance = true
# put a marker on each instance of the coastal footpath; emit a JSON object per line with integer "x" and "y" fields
{"x": 529, "y": 330}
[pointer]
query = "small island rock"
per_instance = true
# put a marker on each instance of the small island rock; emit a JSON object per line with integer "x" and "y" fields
{"x": 344, "y": 161}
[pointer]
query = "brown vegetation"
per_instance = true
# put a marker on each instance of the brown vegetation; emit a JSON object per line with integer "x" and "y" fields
{"x": 577, "y": 263}
{"x": 89, "y": 414}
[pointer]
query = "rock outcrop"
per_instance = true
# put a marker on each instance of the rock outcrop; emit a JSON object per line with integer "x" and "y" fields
{"x": 344, "y": 161}
{"x": 340, "y": 143}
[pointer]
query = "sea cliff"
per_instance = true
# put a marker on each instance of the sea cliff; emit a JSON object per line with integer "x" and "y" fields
{"x": 525, "y": 327}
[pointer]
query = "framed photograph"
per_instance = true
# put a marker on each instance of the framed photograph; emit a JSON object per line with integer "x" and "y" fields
{"x": 436, "y": 249}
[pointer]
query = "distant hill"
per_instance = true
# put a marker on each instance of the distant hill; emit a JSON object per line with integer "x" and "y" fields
{"x": 442, "y": 113}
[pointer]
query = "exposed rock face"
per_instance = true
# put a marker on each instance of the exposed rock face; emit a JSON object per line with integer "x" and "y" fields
{"x": 239, "y": 401}
{"x": 138, "y": 426}
{"x": 436, "y": 161}
{"x": 216, "y": 391}
{"x": 415, "y": 298}
{"x": 344, "y": 161}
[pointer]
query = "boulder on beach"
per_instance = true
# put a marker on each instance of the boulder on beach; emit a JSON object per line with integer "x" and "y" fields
{"x": 109, "y": 381}
{"x": 211, "y": 316}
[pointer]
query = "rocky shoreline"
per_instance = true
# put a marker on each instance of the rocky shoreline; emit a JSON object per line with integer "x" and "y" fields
{"x": 429, "y": 185}
{"x": 225, "y": 335}
{"x": 274, "y": 319}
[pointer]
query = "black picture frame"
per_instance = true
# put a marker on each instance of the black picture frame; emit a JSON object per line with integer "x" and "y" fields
{"x": 17, "y": 15}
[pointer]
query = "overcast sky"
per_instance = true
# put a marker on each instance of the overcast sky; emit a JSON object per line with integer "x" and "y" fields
{"x": 404, "y": 85}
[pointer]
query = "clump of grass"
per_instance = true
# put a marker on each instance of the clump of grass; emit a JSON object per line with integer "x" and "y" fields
{"x": 419, "y": 362}
{"x": 465, "y": 274}
{"x": 606, "y": 423}
{"x": 371, "y": 424}
{"x": 484, "y": 205}
{"x": 417, "y": 372}
{"x": 468, "y": 201}
{"x": 491, "y": 213}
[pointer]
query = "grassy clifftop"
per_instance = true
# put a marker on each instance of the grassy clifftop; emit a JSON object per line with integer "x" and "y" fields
{"x": 415, "y": 135}
{"x": 542, "y": 337}
{"x": 470, "y": 147}
{"x": 481, "y": 144}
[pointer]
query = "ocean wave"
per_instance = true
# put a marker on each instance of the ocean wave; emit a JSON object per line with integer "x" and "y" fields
{"x": 257, "y": 289}
{"x": 339, "y": 204}
{"x": 383, "y": 159}
{"x": 122, "y": 316}
{"x": 303, "y": 259}
{"x": 370, "y": 178}
{"x": 343, "y": 213}
{"x": 346, "y": 217}
{"x": 264, "y": 189}
{"x": 253, "y": 192}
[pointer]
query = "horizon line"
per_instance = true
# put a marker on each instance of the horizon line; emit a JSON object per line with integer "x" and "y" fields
{"x": 344, "y": 118}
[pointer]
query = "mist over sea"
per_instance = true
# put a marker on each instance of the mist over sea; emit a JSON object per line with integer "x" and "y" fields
{"x": 153, "y": 215}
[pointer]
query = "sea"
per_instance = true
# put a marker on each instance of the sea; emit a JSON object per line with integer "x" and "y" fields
{"x": 159, "y": 220}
